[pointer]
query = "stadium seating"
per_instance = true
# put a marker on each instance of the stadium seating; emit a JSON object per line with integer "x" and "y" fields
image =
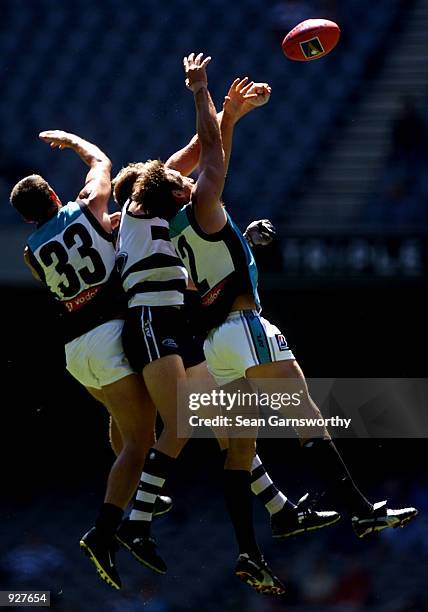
{"x": 112, "y": 72}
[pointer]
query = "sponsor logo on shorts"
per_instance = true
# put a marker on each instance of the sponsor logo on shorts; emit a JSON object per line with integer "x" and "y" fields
{"x": 312, "y": 48}
{"x": 170, "y": 343}
{"x": 282, "y": 342}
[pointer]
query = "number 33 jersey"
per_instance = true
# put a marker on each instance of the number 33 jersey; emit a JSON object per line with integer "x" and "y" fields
{"x": 75, "y": 258}
{"x": 221, "y": 265}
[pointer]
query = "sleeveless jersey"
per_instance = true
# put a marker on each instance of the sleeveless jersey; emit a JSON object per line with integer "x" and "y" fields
{"x": 151, "y": 272}
{"x": 75, "y": 258}
{"x": 221, "y": 265}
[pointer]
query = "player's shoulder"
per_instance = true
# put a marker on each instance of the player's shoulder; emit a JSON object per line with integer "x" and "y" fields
{"x": 181, "y": 220}
{"x": 66, "y": 215}
{"x": 55, "y": 225}
{"x": 71, "y": 209}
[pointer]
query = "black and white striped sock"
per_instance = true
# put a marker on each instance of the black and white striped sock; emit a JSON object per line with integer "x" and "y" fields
{"x": 262, "y": 486}
{"x": 156, "y": 469}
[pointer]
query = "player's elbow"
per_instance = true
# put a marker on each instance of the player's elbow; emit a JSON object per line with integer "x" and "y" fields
{"x": 107, "y": 163}
{"x": 101, "y": 163}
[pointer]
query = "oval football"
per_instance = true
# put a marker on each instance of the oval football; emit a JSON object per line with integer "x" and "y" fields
{"x": 311, "y": 39}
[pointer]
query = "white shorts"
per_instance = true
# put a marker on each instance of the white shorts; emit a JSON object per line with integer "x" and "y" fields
{"x": 244, "y": 340}
{"x": 96, "y": 358}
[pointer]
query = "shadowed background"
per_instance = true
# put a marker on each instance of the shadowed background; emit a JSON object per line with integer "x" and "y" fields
{"x": 337, "y": 161}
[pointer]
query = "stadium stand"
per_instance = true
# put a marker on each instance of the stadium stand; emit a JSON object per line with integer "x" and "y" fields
{"x": 91, "y": 70}
{"x": 111, "y": 71}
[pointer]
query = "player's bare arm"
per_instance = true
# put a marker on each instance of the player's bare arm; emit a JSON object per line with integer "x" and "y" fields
{"x": 209, "y": 186}
{"x": 187, "y": 159}
{"x": 243, "y": 96}
{"x": 97, "y": 189}
{"x": 27, "y": 260}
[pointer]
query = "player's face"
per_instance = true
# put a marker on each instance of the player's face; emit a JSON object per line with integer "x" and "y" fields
{"x": 182, "y": 193}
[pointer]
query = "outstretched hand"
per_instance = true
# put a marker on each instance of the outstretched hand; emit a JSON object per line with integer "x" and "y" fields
{"x": 58, "y": 138}
{"x": 243, "y": 96}
{"x": 194, "y": 68}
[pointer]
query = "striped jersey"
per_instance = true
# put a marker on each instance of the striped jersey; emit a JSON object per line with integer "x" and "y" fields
{"x": 75, "y": 258}
{"x": 221, "y": 265}
{"x": 151, "y": 272}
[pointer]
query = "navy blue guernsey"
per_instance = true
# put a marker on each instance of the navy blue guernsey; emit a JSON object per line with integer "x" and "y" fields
{"x": 74, "y": 257}
{"x": 221, "y": 265}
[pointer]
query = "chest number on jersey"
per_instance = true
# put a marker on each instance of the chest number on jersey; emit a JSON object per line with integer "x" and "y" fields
{"x": 185, "y": 250}
{"x": 63, "y": 267}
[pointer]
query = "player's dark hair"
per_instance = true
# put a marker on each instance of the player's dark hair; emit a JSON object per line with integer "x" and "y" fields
{"x": 123, "y": 182}
{"x": 153, "y": 190}
{"x": 32, "y": 198}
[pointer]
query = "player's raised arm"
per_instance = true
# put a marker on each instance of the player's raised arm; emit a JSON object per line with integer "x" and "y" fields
{"x": 243, "y": 96}
{"x": 32, "y": 264}
{"x": 97, "y": 188}
{"x": 208, "y": 188}
{"x": 186, "y": 159}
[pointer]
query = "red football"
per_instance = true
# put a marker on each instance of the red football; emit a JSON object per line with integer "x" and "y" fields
{"x": 311, "y": 39}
